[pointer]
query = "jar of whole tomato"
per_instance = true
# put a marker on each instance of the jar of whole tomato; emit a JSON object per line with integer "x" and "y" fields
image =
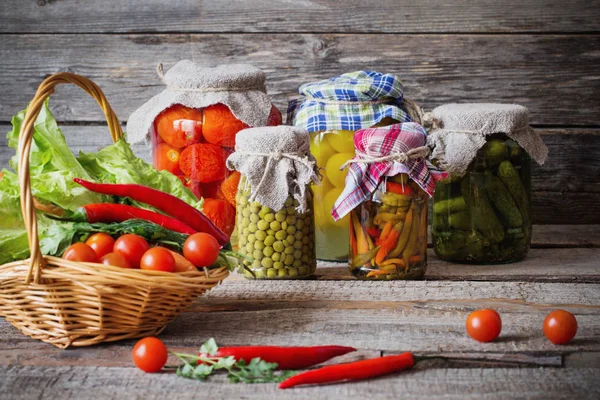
{"x": 482, "y": 211}
{"x": 193, "y": 124}
{"x": 275, "y": 214}
{"x": 387, "y": 187}
{"x": 332, "y": 111}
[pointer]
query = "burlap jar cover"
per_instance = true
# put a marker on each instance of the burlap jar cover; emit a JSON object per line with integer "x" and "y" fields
{"x": 458, "y": 131}
{"x": 276, "y": 163}
{"x": 240, "y": 87}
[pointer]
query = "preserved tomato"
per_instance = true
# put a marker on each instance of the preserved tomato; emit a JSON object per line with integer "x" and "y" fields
{"x": 179, "y": 126}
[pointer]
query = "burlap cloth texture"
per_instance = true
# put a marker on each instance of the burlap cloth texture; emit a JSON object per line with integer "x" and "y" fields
{"x": 276, "y": 163}
{"x": 240, "y": 87}
{"x": 458, "y": 131}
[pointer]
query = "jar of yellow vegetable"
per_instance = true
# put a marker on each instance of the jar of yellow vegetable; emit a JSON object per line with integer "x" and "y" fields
{"x": 481, "y": 212}
{"x": 331, "y": 111}
{"x": 275, "y": 217}
{"x": 385, "y": 194}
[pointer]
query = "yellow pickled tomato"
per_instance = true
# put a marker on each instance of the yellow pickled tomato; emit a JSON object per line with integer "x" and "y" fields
{"x": 332, "y": 168}
{"x": 321, "y": 150}
{"x": 322, "y": 216}
{"x": 328, "y": 202}
{"x": 341, "y": 141}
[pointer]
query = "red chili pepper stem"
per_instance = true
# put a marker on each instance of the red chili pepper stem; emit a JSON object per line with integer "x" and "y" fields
{"x": 164, "y": 202}
{"x": 286, "y": 357}
{"x": 353, "y": 371}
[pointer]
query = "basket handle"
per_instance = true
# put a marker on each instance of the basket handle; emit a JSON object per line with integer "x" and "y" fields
{"x": 46, "y": 88}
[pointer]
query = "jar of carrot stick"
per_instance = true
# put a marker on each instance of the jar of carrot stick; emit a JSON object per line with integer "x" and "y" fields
{"x": 193, "y": 123}
{"x": 387, "y": 187}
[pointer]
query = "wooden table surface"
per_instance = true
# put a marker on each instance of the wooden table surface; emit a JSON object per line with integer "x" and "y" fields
{"x": 426, "y": 317}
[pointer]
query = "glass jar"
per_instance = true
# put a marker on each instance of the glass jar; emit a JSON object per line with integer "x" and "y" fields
{"x": 278, "y": 244}
{"x": 388, "y": 236}
{"x": 332, "y": 149}
{"x": 483, "y": 217}
{"x": 194, "y": 143}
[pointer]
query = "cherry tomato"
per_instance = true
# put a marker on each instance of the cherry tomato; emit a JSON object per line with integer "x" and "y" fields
{"x": 150, "y": 354}
{"x": 80, "y": 252}
{"x": 132, "y": 247}
{"x": 484, "y": 325}
{"x": 116, "y": 260}
{"x": 102, "y": 243}
{"x": 158, "y": 259}
{"x": 220, "y": 126}
{"x": 560, "y": 327}
{"x": 166, "y": 158}
{"x": 201, "y": 249}
{"x": 179, "y": 126}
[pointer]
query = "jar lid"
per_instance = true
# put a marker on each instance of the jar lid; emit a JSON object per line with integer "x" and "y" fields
{"x": 351, "y": 101}
{"x": 460, "y": 130}
{"x": 276, "y": 162}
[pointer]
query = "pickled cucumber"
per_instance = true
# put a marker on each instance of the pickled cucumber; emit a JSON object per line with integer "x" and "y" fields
{"x": 503, "y": 201}
{"x": 450, "y": 205}
{"x": 280, "y": 243}
{"x": 509, "y": 175}
{"x": 483, "y": 216}
{"x": 460, "y": 220}
{"x": 494, "y": 152}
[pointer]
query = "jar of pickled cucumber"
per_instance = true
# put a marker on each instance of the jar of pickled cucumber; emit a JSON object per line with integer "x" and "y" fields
{"x": 192, "y": 125}
{"x": 332, "y": 111}
{"x": 275, "y": 218}
{"x": 386, "y": 197}
{"x": 482, "y": 211}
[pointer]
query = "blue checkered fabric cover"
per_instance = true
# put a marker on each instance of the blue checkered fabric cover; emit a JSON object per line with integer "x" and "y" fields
{"x": 351, "y": 101}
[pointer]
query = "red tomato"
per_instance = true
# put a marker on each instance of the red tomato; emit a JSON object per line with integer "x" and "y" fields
{"x": 201, "y": 249}
{"x": 179, "y": 126}
{"x": 102, "y": 243}
{"x": 203, "y": 162}
{"x": 166, "y": 158}
{"x": 220, "y": 126}
{"x": 158, "y": 259}
{"x": 484, "y": 325}
{"x": 221, "y": 213}
{"x": 132, "y": 247}
{"x": 560, "y": 327}
{"x": 274, "y": 117}
{"x": 150, "y": 354}
{"x": 116, "y": 260}
{"x": 80, "y": 252}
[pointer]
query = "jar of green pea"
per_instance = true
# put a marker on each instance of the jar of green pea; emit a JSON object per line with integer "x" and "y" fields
{"x": 275, "y": 212}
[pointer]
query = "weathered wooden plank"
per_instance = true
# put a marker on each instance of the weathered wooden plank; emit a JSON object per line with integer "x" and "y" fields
{"x": 474, "y": 383}
{"x": 436, "y": 69}
{"x": 299, "y": 16}
{"x": 566, "y": 207}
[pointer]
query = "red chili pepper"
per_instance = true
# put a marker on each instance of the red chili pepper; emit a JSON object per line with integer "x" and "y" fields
{"x": 398, "y": 188}
{"x": 165, "y": 202}
{"x": 285, "y": 357}
{"x": 110, "y": 212}
{"x": 353, "y": 371}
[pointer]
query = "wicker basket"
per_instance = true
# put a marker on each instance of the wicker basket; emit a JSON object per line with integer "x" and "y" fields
{"x": 80, "y": 304}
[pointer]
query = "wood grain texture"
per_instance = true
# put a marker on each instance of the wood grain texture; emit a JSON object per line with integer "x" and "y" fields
{"x": 357, "y": 16}
{"x": 113, "y": 383}
{"x": 556, "y": 76}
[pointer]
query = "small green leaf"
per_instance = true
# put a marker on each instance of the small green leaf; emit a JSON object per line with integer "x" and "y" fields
{"x": 209, "y": 347}
{"x": 226, "y": 362}
{"x": 202, "y": 371}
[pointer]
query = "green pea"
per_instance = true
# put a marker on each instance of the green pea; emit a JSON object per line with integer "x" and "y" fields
{"x": 262, "y": 225}
{"x": 276, "y": 257}
{"x": 281, "y": 272}
{"x": 254, "y": 218}
{"x": 280, "y": 216}
{"x": 298, "y": 235}
{"x": 275, "y": 225}
{"x": 299, "y": 224}
{"x": 305, "y": 239}
{"x": 298, "y": 254}
{"x": 305, "y": 258}
{"x": 280, "y": 235}
{"x": 270, "y": 232}
{"x": 249, "y": 248}
{"x": 269, "y": 240}
{"x": 306, "y": 230}
{"x": 245, "y": 221}
{"x": 270, "y": 217}
{"x": 251, "y": 238}
{"x": 289, "y": 250}
{"x": 291, "y": 219}
{"x": 268, "y": 251}
{"x": 262, "y": 214}
{"x": 255, "y": 207}
{"x": 267, "y": 262}
{"x": 246, "y": 212}
{"x": 305, "y": 249}
{"x": 297, "y": 245}
{"x": 284, "y": 226}
{"x": 259, "y": 245}
{"x": 261, "y": 235}
{"x": 271, "y": 273}
{"x": 278, "y": 246}
{"x": 246, "y": 262}
{"x": 256, "y": 264}
{"x": 293, "y": 272}
{"x": 260, "y": 274}
{"x": 252, "y": 227}
{"x": 303, "y": 271}
{"x": 291, "y": 230}
{"x": 297, "y": 263}
{"x": 245, "y": 231}
{"x": 289, "y": 201}
{"x": 289, "y": 260}
{"x": 278, "y": 265}
{"x": 241, "y": 200}
{"x": 290, "y": 239}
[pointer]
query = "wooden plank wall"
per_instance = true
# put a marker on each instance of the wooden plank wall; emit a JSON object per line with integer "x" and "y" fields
{"x": 542, "y": 54}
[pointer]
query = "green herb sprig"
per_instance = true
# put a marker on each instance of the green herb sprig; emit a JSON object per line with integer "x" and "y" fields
{"x": 200, "y": 367}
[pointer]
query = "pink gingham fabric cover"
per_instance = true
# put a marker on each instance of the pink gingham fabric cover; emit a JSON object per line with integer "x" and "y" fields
{"x": 363, "y": 179}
